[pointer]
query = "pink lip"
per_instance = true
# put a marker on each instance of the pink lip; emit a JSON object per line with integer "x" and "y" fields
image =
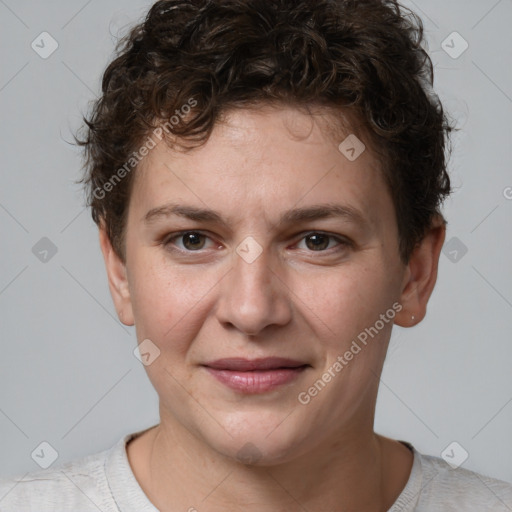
{"x": 257, "y": 375}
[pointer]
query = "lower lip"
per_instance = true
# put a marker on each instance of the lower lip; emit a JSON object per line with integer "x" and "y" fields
{"x": 257, "y": 381}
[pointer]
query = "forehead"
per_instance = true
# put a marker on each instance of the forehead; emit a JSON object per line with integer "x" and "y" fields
{"x": 261, "y": 162}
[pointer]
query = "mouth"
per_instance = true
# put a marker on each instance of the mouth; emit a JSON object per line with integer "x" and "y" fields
{"x": 256, "y": 375}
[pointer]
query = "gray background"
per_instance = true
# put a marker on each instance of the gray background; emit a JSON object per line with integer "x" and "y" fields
{"x": 68, "y": 375}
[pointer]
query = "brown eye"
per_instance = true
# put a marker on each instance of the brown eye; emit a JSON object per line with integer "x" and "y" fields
{"x": 321, "y": 242}
{"x": 317, "y": 242}
{"x": 193, "y": 241}
{"x": 190, "y": 241}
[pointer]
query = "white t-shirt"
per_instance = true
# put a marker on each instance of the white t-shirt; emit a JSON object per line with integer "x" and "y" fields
{"x": 105, "y": 482}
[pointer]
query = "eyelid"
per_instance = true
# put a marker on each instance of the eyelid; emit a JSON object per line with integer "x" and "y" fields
{"x": 342, "y": 240}
{"x": 167, "y": 239}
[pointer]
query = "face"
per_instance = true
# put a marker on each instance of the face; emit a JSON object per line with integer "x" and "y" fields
{"x": 266, "y": 242}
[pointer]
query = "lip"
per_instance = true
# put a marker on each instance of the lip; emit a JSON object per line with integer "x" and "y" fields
{"x": 255, "y": 375}
{"x": 243, "y": 365}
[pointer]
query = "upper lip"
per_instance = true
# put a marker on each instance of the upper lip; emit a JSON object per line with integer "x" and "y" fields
{"x": 244, "y": 365}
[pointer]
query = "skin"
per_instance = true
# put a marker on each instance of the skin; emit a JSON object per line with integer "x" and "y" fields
{"x": 201, "y": 302}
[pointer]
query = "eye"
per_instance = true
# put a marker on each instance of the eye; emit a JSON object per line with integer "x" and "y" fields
{"x": 319, "y": 242}
{"x": 191, "y": 241}
{"x": 195, "y": 241}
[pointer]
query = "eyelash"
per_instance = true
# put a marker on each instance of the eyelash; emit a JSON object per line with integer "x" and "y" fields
{"x": 167, "y": 241}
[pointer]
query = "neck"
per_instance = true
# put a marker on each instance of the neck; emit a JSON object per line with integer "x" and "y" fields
{"x": 359, "y": 470}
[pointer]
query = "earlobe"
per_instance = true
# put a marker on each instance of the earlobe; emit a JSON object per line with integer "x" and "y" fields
{"x": 421, "y": 275}
{"x": 117, "y": 279}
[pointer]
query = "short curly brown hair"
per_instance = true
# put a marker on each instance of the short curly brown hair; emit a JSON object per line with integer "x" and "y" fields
{"x": 362, "y": 57}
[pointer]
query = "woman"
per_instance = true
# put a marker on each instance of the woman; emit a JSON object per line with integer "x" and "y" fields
{"x": 267, "y": 180}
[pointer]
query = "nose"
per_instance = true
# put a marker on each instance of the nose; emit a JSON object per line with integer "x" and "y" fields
{"x": 253, "y": 296}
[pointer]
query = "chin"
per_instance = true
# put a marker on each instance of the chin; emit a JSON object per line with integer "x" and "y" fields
{"x": 259, "y": 439}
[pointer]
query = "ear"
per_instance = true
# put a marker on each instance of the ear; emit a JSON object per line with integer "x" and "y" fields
{"x": 117, "y": 279}
{"x": 421, "y": 275}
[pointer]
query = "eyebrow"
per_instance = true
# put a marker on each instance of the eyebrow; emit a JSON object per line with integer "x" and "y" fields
{"x": 296, "y": 215}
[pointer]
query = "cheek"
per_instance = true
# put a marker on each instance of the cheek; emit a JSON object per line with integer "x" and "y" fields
{"x": 344, "y": 301}
{"x": 169, "y": 302}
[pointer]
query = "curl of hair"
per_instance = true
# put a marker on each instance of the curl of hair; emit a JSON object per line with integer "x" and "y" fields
{"x": 365, "y": 57}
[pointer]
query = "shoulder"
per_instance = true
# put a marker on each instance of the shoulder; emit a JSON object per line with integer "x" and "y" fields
{"x": 445, "y": 488}
{"x": 77, "y": 485}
